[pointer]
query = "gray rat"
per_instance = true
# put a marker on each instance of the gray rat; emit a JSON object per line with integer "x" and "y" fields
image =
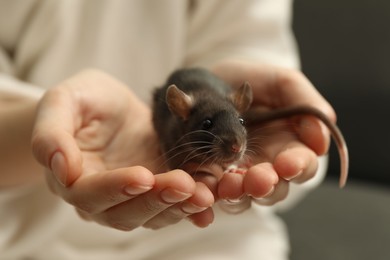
{"x": 201, "y": 120}
{"x": 198, "y": 119}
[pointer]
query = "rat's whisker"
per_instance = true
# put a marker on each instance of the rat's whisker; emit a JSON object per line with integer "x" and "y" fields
{"x": 253, "y": 152}
{"x": 189, "y": 144}
{"x": 195, "y": 155}
{"x": 212, "y": 160}
{"x": 178, "y": 151}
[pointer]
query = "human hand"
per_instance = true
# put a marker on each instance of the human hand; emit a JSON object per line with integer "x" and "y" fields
{"x": 287, "y": 151}
{"x": 97, "y": 142}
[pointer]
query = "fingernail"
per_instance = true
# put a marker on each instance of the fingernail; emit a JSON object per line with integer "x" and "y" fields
{"x": 294, "y": 176}
{"x": 137, "y": 189}
{"x": 173, "y": 196}
{"x": 235, "y": 207}
{"x": 59, "y": 168}
{"x": 191, "y": 208}
{"x": 236, "y": 200}
{"x": 270, "y": 192}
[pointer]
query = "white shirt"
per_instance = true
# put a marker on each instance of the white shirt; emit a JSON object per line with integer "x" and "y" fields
{"x": 139, "y": 42}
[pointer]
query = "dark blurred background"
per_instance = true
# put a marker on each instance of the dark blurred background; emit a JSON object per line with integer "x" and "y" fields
{"x": 345, "y": 52}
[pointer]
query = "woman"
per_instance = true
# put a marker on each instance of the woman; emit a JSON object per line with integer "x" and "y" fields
{"x": 92, "y": 132}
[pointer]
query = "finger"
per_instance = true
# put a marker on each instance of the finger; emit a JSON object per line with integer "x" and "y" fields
{"x": 170, "y": 188}
{"x": 266, "y": 142}
{"x": 96, "y": 193}
{"x": 314, "y": 134}
{"x": 230, "y": 186}
{"x": 296, "y": 162}
{"x": 260, "y": 180}
{"x": 263, "y": 183}
{"x": 53, "y": 143}
{"x": 202, "y": 219}
{"x": 279, "y": 193}
{"x": 207, "y": 174}
{"x": 199, "y": 202}
{"x": 209, "y": 180}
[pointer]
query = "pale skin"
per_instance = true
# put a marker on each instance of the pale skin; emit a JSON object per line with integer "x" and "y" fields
{"x": 95, "y": 139}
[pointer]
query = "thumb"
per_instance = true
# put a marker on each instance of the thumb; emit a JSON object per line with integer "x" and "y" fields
{"x": 58, "y": 152}
{"x": 53, "y": 143}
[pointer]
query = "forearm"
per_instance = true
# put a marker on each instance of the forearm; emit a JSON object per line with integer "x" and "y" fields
{"x": 17, "y": 163}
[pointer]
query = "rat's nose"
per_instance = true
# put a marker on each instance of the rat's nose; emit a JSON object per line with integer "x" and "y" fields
{"x": 236, "y": 148}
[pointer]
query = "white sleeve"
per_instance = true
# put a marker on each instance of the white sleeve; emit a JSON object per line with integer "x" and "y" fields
{"x": 12, "y": 88}
{"x": 251, "y": 29}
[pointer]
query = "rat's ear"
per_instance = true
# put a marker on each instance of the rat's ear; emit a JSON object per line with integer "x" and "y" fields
{"x": 242, "y": 97}
{"x": 179, "y": 102}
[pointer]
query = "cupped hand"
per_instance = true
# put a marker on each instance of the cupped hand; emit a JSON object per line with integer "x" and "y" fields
{"x": 282, "y": 151}
{"x": 96, "y": 140}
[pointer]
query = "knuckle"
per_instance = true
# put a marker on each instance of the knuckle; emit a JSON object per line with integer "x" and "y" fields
{"x": 112, "y": 221}
{"x": 174, "y": 215}
{"x": 166, "y": 218}
{"x": 81, "y": 205}
{"x": 114, "y": 197}
{"x": 153, "y": 206}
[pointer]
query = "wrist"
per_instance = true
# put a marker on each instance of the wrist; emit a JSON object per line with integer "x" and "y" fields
{"x": 17, "y": 121}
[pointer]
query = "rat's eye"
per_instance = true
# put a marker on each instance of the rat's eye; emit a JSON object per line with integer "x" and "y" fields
{"x": 207, "y": 124}
{"x": 242, "y": 121}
